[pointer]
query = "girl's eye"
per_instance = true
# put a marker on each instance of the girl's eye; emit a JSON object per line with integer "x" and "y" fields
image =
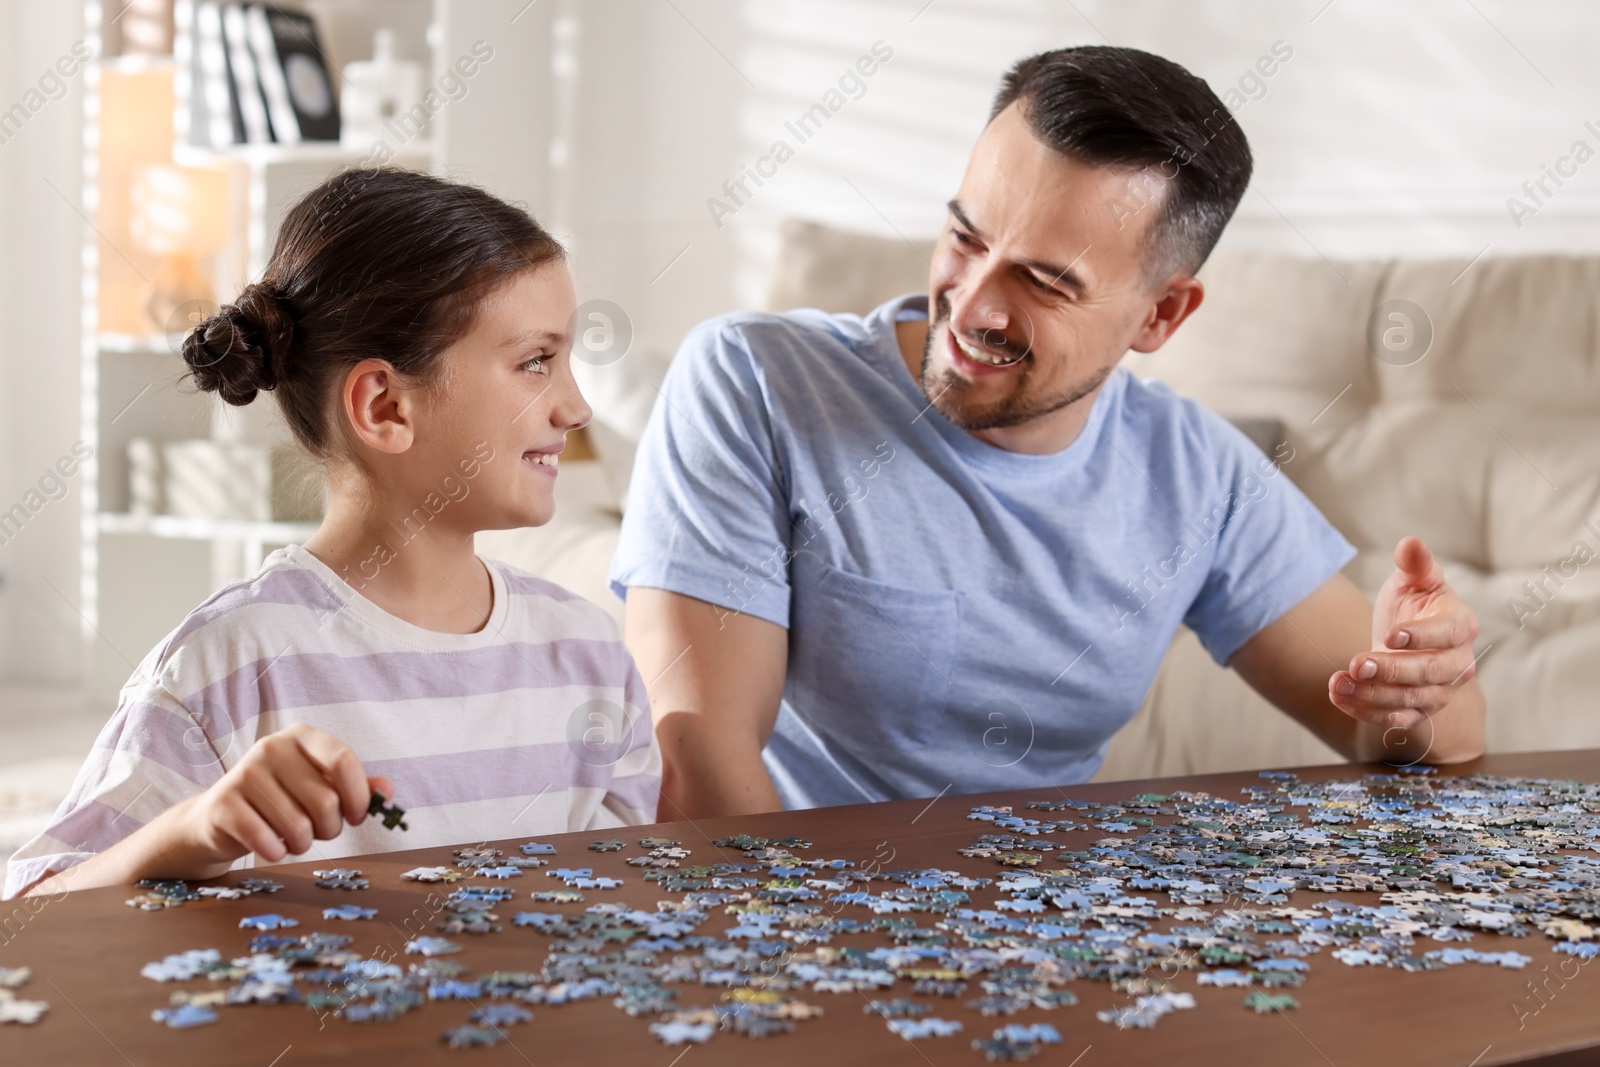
{"x": 536, "y": 364}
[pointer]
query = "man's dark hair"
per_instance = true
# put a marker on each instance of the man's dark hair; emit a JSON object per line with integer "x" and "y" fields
{"x": 1119, "y": 107}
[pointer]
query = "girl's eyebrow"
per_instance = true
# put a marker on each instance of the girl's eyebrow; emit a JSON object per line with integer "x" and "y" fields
{"x": 556, "y": 338}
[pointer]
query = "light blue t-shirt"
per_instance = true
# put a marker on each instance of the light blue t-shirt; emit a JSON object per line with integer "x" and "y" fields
{"x": 961, "y": 618}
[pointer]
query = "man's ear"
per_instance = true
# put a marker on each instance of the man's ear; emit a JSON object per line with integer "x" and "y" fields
{"x": 1176, "y": 302}
{"x": 379, "y": 407}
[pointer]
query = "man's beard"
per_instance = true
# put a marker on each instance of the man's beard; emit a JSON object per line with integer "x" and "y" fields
{"x": 950, "y": 393}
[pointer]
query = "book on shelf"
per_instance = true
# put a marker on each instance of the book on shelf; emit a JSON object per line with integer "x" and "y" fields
{"x": 214, "y": 106}
{"x": 294, "y": 75}
{"x": 252, "y": 105}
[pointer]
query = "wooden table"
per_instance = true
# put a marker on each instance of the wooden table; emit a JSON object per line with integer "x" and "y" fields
{"x": 86, "y": 950}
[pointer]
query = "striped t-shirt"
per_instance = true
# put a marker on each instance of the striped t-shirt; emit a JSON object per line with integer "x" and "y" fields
{"x": 536, "y": 724}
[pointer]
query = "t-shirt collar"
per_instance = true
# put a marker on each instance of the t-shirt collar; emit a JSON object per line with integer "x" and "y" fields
{"x": 884, "y": 347}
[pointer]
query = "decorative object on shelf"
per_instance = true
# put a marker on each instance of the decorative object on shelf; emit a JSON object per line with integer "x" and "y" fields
{"x": 294, "y": 78}
{"x": 179, "y": 214}
{"x": 233, "y": 480}
{"x": 374, "y": 91}
{"x": 142, "y": 28}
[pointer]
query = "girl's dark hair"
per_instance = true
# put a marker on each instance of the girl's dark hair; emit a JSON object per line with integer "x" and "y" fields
{"x": 384, "y": 263}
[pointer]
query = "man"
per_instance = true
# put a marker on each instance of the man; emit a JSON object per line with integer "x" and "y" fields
{"x": 907, "y": 554}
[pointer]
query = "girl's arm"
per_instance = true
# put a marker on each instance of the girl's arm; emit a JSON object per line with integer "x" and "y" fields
{"x": 291, "y": 788}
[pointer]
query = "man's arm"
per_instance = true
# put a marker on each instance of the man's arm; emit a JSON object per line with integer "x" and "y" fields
{"x": 1336, "y": 664}
{"x": 715, "y": 679}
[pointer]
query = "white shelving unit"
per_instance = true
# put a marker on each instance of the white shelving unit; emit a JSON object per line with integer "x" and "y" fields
{"x": 142, "y": 573}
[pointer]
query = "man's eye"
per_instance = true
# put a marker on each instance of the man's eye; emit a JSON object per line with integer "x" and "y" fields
{"x": 964, "y": 240}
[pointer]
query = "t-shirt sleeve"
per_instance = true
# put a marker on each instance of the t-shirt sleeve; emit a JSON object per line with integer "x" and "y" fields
{"x": 706, "y": 515}
{"x": 1273, "y": 547}
{"x": 149, "y": 756}
{"x": 635, "y": 787}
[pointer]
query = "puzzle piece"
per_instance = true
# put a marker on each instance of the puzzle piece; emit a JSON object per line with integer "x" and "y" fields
{"x": 679, "y": 1033}
{"x": 472, "y": 1037}
{"x": 1264, "y": 1003}
{"x": 184, "y": 1017}
{"x": 918, "y": 1029}
{"x": 349, "y": 912}
{"x": 431, "y": 946}
{"x": 393, "y": 817}
{"x": 25, "y": 1012}
{"x": 267, "y": 922}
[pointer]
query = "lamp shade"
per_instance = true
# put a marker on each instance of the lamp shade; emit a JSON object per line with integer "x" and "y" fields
{"x": 178, "y": 210}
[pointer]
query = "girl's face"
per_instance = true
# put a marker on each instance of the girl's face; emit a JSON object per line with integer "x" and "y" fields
{"x": 498, "y": 416}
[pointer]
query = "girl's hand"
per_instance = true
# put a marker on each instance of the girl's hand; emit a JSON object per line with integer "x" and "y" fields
{"x": 293, "y": 788}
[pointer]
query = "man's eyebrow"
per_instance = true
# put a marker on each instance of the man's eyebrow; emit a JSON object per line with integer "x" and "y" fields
{"x": 961, "y": 217}
{"x": 1057, "y": 275}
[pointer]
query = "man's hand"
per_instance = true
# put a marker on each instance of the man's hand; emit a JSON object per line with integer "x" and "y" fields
{"x": 1421, "y": 653}
{"x": 1423, "y": 679}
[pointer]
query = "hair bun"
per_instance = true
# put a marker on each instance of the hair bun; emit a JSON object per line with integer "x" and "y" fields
{"x": 243, "y": 348}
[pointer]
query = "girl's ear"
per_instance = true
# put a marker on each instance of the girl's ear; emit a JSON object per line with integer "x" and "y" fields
{"x": 379, "y": 407}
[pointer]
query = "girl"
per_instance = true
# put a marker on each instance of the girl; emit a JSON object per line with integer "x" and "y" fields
{"x": 416, "y": 335}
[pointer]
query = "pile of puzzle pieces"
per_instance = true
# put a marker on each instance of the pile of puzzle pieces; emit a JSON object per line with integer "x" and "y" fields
{"x": 1189, "y": 883}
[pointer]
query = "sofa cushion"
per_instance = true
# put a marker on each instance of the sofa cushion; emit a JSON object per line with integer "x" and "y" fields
{"x": 1523, "y": 331}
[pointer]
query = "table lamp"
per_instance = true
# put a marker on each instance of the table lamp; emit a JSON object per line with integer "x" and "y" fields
{"x": 179, "y": 214}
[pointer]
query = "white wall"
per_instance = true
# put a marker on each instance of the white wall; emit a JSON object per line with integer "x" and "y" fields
{"x": 39, "y": 355}
{"x": 1394, "y": 129}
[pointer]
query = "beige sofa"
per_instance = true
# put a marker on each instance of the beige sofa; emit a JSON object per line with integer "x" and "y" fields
{"x": 1487, "y": 447}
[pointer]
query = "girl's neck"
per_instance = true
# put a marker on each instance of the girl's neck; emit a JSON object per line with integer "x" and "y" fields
{"x": 414, "y": 565}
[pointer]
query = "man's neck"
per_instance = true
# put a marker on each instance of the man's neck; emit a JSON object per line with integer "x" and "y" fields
{"x": 1040, "y": 437}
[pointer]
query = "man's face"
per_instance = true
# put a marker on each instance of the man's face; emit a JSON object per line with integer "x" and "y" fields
{"x": 1040, "y": 284}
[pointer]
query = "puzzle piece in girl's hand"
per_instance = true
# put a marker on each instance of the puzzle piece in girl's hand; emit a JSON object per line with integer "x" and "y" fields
{"x": 393, "y": 816}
